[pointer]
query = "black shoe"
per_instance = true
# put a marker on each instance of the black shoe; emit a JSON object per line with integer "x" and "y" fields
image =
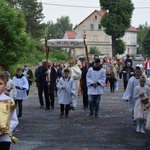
{"x": 66, "y": 115}
{"x": 41, "y": 106}
{"x": 61, "y": 115}
{"x": 47, "y": 108}
{"x": 91, "y": 115}
{"x": 96, "y": 116}
{"x": 19, "y": 116}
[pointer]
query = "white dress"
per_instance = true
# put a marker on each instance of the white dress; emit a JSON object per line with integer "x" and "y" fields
{"x": 75, "y": 73}
{"x": 141, "y": 110}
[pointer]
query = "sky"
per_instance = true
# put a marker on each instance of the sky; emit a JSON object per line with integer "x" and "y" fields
{"x": 53, "y": 9}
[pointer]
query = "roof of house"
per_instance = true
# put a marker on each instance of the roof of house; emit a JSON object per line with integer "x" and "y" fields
{"x": 132, "y": 29}
{"x": 102, "y": 12}
{"x": 70, "y": 34}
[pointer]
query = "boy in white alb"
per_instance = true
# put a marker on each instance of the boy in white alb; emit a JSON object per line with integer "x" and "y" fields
{"x": 96, "y": 78}
{"x": 66, "y": 88}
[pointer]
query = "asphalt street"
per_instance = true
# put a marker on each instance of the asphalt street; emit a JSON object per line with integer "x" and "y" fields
{"x": 42, "y": 129}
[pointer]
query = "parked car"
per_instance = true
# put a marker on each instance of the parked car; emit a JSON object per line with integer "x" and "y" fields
{"x": 124, "y": 58}
{"x": 138, "y": 57}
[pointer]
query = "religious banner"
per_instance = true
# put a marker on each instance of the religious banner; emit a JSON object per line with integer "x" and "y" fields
{"x": 68, "y": 43}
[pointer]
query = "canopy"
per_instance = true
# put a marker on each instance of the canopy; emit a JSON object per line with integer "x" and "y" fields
{"x": 67, "y": 43}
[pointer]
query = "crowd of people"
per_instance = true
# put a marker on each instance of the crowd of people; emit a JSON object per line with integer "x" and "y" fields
{"x": 67, "y": 80}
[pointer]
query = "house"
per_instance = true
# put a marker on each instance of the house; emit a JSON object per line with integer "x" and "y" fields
{"x": 96, "y": 37}
{"x": 70, "y": 35}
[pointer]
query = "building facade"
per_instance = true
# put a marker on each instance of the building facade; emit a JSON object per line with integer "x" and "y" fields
{"x": 96, "y": 37}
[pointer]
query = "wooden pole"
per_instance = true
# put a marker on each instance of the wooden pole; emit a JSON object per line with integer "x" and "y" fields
{"x": 86, "y": 50}
{"x": 47, "y": 51}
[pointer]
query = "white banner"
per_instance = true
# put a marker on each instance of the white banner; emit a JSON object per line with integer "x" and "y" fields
{"x": 68, "y": 43}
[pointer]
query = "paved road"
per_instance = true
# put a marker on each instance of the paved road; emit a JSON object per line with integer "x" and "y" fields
{"x": 113, "y": 130}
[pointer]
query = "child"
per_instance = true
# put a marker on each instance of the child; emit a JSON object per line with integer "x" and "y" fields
{"x": 141, "y": 93}
{"x": 10, "y": 87}
{"x": 66, "y": 88}
{"x": 22, "y": 86}
{"x": 128, "y": 94}
{"x": 5, "y": 140}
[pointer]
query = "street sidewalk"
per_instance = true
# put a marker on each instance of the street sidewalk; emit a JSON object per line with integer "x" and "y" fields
{"x": 42, "y": 129}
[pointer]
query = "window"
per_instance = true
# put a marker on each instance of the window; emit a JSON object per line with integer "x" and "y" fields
{"x": 99, "y": 26}
{"x": 92, "y": 26}
{"x": 96, "y": 17}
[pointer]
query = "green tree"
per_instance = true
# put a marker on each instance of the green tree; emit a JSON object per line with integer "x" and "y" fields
{"x": 13, "y": 39}
{"x": 117, "y": 20}
{"x": 94, "y": 50}
{"x": 142, "y": 32}
{"x": 58, "y": 56}
{"x": 58, "y": 29}
{"x": 146, "y": 43}
{"x": 33, "y": 16}
{"x": 120, "y": 46}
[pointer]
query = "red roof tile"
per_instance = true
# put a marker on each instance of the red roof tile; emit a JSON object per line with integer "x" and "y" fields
{"x": 132, "y": 29}
{"x": 70, "y": 34}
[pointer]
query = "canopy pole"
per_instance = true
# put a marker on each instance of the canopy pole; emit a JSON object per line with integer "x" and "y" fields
{"x": 47, "y": 51}
{"x": 86, "y": 50}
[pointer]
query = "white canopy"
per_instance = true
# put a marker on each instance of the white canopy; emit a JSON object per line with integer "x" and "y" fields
{"x": 66, "y": 43}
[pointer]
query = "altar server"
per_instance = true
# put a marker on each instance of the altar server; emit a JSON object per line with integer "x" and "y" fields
{"x": 66, "y": 89}
{"x": 22, "y": 86}
{"x": 95, "y": 82}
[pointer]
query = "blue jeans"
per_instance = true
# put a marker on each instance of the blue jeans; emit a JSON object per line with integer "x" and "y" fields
{"x": 148, "y": 73}
{"x": 94, "y": 103}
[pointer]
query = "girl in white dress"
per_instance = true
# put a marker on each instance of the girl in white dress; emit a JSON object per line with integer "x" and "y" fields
{"x": 141, "y": 93}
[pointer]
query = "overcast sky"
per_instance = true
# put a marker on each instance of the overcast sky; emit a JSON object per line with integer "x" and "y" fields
{"x": 53, "y": 9}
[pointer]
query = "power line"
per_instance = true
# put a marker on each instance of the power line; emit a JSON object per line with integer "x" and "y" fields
{"x": 63, "y": 5}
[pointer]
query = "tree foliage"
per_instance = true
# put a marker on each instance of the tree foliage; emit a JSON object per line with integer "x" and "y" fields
{"x": 33, "y": 16}
{"x": 58, "y": 56}
{"x": 94, "y": 50}
{"x": 146, "y": 43}
{"x": 58, "y": 29}
{"x": 13, "y": 38}
{"x": 120, "y": 46}
{"x": 142, "y": 32}
{"x": 117, "y": 20}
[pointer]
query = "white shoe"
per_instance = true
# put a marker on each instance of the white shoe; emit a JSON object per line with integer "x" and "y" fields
{"x": 138, "y": 129}
{"x": 142, "y": 131}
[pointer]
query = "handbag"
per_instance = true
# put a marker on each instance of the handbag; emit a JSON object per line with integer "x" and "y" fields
{"x": 116, "y": 85}
{"x": 145, "y": 100}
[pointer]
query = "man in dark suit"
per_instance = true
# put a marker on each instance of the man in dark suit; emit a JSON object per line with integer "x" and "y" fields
{"x": 84, "y": 85}
{"x": 51, "y": 82}
{"x": 40, "y": 74}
